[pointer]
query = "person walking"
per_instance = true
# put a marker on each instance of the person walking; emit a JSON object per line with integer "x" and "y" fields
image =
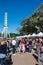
{"x": 13, "y": 46}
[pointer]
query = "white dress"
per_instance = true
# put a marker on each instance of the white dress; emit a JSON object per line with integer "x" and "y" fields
{"x": 23, "y": 47}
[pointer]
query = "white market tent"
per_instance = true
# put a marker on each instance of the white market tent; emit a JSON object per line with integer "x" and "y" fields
{"x": 40, "y": 34}
{"x": 34, "y": 35}
{"x": 22, "y": 36}
{"x": 29, "y": 35}
{"x": 25, "y": 35}
{"x": 17, "y": 37}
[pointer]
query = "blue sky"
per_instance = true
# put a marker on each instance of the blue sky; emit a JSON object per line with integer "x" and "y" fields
{"x": 17, "y": 11}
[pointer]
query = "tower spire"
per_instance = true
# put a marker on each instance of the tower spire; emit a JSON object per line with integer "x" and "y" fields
{"x": 5, "y": 26}
{"x": 5, "y": 19}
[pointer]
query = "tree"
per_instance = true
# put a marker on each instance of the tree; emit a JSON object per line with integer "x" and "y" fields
{"x": 13, "y": 35}
{"x": 33, "y": 23}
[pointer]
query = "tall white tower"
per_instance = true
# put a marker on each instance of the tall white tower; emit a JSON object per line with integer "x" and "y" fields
{"x": 5, "y": 19}
{"x": 5, "y": 26}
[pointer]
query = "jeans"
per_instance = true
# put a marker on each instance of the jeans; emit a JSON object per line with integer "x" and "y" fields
{"x": 13, "y": 49}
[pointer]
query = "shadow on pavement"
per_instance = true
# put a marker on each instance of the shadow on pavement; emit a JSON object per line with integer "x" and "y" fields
{"x": 35, "y": 57}
{"x": 9, "y": 62}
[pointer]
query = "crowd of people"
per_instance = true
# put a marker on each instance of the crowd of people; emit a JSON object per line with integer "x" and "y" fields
{"x": 21, "y": 46}
{"x": 27, "y": 45}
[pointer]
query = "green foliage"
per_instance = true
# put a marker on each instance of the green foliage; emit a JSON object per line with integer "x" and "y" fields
{"x": 33, "y": 23}
{"x": 0, "y": 34}
{"x": 13, "y": 35}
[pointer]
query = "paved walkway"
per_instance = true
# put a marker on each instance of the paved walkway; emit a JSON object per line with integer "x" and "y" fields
{"x": 24, "y": 59}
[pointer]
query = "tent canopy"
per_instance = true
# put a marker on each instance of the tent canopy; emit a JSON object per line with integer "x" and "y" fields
{"x": 33, "y": 35}
{"x": 40, "y": 34}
